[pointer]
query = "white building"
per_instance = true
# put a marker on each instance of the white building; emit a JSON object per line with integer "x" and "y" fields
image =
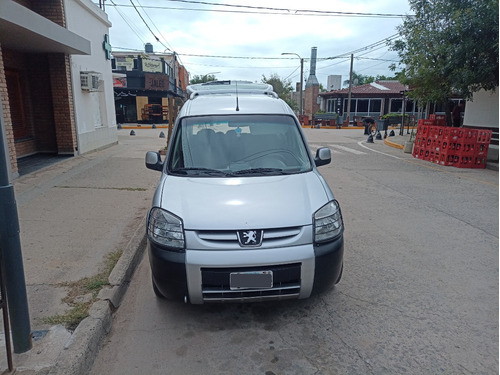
{"x": 334, "y": 82}
{"x": 94, "y": 108}
{"x": 45, "y": 46}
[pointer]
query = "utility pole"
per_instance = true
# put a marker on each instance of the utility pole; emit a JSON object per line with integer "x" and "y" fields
{"x": 403, "y": 115}
{"x": 11, "y": 255}
{"x": 301, "y": 104}
{"x": 350, "y": 90}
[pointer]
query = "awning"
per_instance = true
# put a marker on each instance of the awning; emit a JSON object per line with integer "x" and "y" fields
{"x": 26, "y": 31}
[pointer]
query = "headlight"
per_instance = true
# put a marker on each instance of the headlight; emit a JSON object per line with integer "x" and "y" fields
{"x": 328, "y": 222}
{"x": 165, "y": 228}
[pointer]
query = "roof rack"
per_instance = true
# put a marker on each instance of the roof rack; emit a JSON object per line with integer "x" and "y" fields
{"x": 233, "y": 87}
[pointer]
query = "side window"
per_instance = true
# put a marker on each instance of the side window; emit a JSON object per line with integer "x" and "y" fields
{"x": 177, "y": 156}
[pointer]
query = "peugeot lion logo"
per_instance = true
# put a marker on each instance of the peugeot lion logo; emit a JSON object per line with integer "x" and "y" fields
{"x": 250, "y": 238}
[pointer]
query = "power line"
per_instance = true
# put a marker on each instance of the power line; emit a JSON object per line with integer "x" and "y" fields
{"x": 342, "y": 56}
{"x": 337, "y": 13}
{"x": 122, "y": 15}
{"x": 149, "y": 28}
{"x": 154, "y": 25}
{"x": 234, "y": 57}
{"x": 269, "y": 10}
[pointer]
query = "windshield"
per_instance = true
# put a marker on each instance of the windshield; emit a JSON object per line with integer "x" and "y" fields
{"x": 213, "y": 146}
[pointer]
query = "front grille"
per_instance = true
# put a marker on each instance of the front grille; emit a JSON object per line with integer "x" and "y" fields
{"x": 224, "y": 238}
{"x": 216, "y": 288}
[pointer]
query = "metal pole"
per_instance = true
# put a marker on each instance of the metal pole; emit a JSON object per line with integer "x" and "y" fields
{"x": 402, "y": 129}
{"x": 350, "y": 90}
{"x": 301, "y": 104}
{"x": 12, "y": 261}
{"x": 301, "y": 83}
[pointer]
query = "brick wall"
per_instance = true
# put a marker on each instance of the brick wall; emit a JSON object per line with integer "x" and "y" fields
{"x": 51, "y": 9}
{"x": 6, "y": 116}
{"x": 311, "y": 105}
{"x": 62, "y": 101}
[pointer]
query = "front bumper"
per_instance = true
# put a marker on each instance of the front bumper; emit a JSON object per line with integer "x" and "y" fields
{"x": 203, "y": 275}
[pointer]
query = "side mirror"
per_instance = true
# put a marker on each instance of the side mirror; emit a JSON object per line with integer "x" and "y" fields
{"x": 323, "y": 156}
{"x": 153, "y": 161}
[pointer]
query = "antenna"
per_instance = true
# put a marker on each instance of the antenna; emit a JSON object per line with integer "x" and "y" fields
{"x": 237, "y": 103}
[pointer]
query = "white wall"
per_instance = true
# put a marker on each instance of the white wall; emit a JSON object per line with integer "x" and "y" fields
{"x": 482, "y": 111}
{"x": 94, "y": 111}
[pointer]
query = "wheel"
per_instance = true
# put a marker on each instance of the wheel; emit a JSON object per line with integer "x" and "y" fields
{"x": 156, "y": 290}
{"x": 340, "y": 274}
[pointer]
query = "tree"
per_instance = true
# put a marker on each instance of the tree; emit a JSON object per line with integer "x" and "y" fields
{"x": 381, "y": 77}
{"x": 281, "y": 87}
{"x": 358, "y": 79}
{"x": 448, "y": 47}
{"x": 202, "y": 79}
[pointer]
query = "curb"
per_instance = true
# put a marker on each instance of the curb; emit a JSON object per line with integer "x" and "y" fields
{"x": 78, "y": 355}
{"x": 393, "y": 144}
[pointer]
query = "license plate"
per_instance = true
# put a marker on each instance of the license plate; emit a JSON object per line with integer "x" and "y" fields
{"x": 251, "y": 280}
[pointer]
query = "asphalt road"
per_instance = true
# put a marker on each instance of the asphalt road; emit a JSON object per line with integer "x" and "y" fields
{"x": 419, "y": 293}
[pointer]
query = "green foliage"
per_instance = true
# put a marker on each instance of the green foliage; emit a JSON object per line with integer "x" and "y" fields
{"x": 281, "y": 87}
{"x": 202, "y": 79}
{"x": 77, "y": 292}
{"x": 360, "y": 79}
{"x": 449, "y": 46}
{"x": 393, "y": 115}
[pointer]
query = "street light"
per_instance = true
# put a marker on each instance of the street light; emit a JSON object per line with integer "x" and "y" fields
{"x": 301, "y": 106}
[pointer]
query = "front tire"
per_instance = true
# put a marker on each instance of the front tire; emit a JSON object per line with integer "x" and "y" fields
{"x": 156, "y": 290}
{"x": 340, "y": 275}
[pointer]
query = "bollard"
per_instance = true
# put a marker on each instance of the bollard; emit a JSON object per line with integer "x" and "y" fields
{"x": 119, "y": 126}
{"x": 162, "y": 135}
{"x": 392, "y": 134}
{"x": 370, "y": 139}
{"x": 378, "y": 136}
{"x": 153, "y": 127}
{"x": 132, "y": 132}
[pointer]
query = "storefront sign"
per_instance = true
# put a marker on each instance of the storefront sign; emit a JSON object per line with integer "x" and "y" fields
{"x": 127, "y": 62}
{"x": 156, "y": 82}
{"x": 153, "y": 66}
{"x": 119, "y": 81}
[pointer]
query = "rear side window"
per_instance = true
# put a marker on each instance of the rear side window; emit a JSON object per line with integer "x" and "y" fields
{"x": 212, "y": 146}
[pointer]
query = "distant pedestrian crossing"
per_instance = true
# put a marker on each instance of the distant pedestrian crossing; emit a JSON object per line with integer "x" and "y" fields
{"x": 337, "y": 149}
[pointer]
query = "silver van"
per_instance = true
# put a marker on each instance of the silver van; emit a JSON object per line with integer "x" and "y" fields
{"x": 241, "y": 213}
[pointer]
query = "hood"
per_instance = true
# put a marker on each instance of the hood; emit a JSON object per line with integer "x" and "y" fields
{"x": 244, "y": 203}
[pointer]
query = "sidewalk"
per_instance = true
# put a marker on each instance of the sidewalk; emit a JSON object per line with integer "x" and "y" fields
{"x": 72, "y": 215}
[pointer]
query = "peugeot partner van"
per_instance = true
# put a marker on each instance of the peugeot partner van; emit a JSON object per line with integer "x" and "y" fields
{"x": 241, "y": 212}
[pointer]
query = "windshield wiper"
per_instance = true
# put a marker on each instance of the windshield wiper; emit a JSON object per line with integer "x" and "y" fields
{"x": 265, "y": 171}
{"x": 195, "y": 171}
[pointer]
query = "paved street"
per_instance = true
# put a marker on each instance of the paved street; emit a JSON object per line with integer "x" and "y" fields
{"x": 419, "y": 292}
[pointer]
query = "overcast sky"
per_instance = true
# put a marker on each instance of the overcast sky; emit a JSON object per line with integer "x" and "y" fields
{"x": 252, "y": 43}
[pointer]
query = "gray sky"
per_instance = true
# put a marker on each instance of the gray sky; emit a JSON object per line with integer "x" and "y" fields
{"x": 258, "y": 36}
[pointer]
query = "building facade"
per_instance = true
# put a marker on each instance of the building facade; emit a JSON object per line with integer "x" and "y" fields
{"x": 144, "y": 83}
{"x": 44, "y": 48}
{"x": 370, "y": 100}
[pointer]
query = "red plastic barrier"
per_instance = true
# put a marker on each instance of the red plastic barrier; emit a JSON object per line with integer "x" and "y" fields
{"x": 484, "y": 136}
{"x": 448, "y": 146}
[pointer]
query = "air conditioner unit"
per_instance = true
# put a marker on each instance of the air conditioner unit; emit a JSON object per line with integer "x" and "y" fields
{"x": 90, "y": 81}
